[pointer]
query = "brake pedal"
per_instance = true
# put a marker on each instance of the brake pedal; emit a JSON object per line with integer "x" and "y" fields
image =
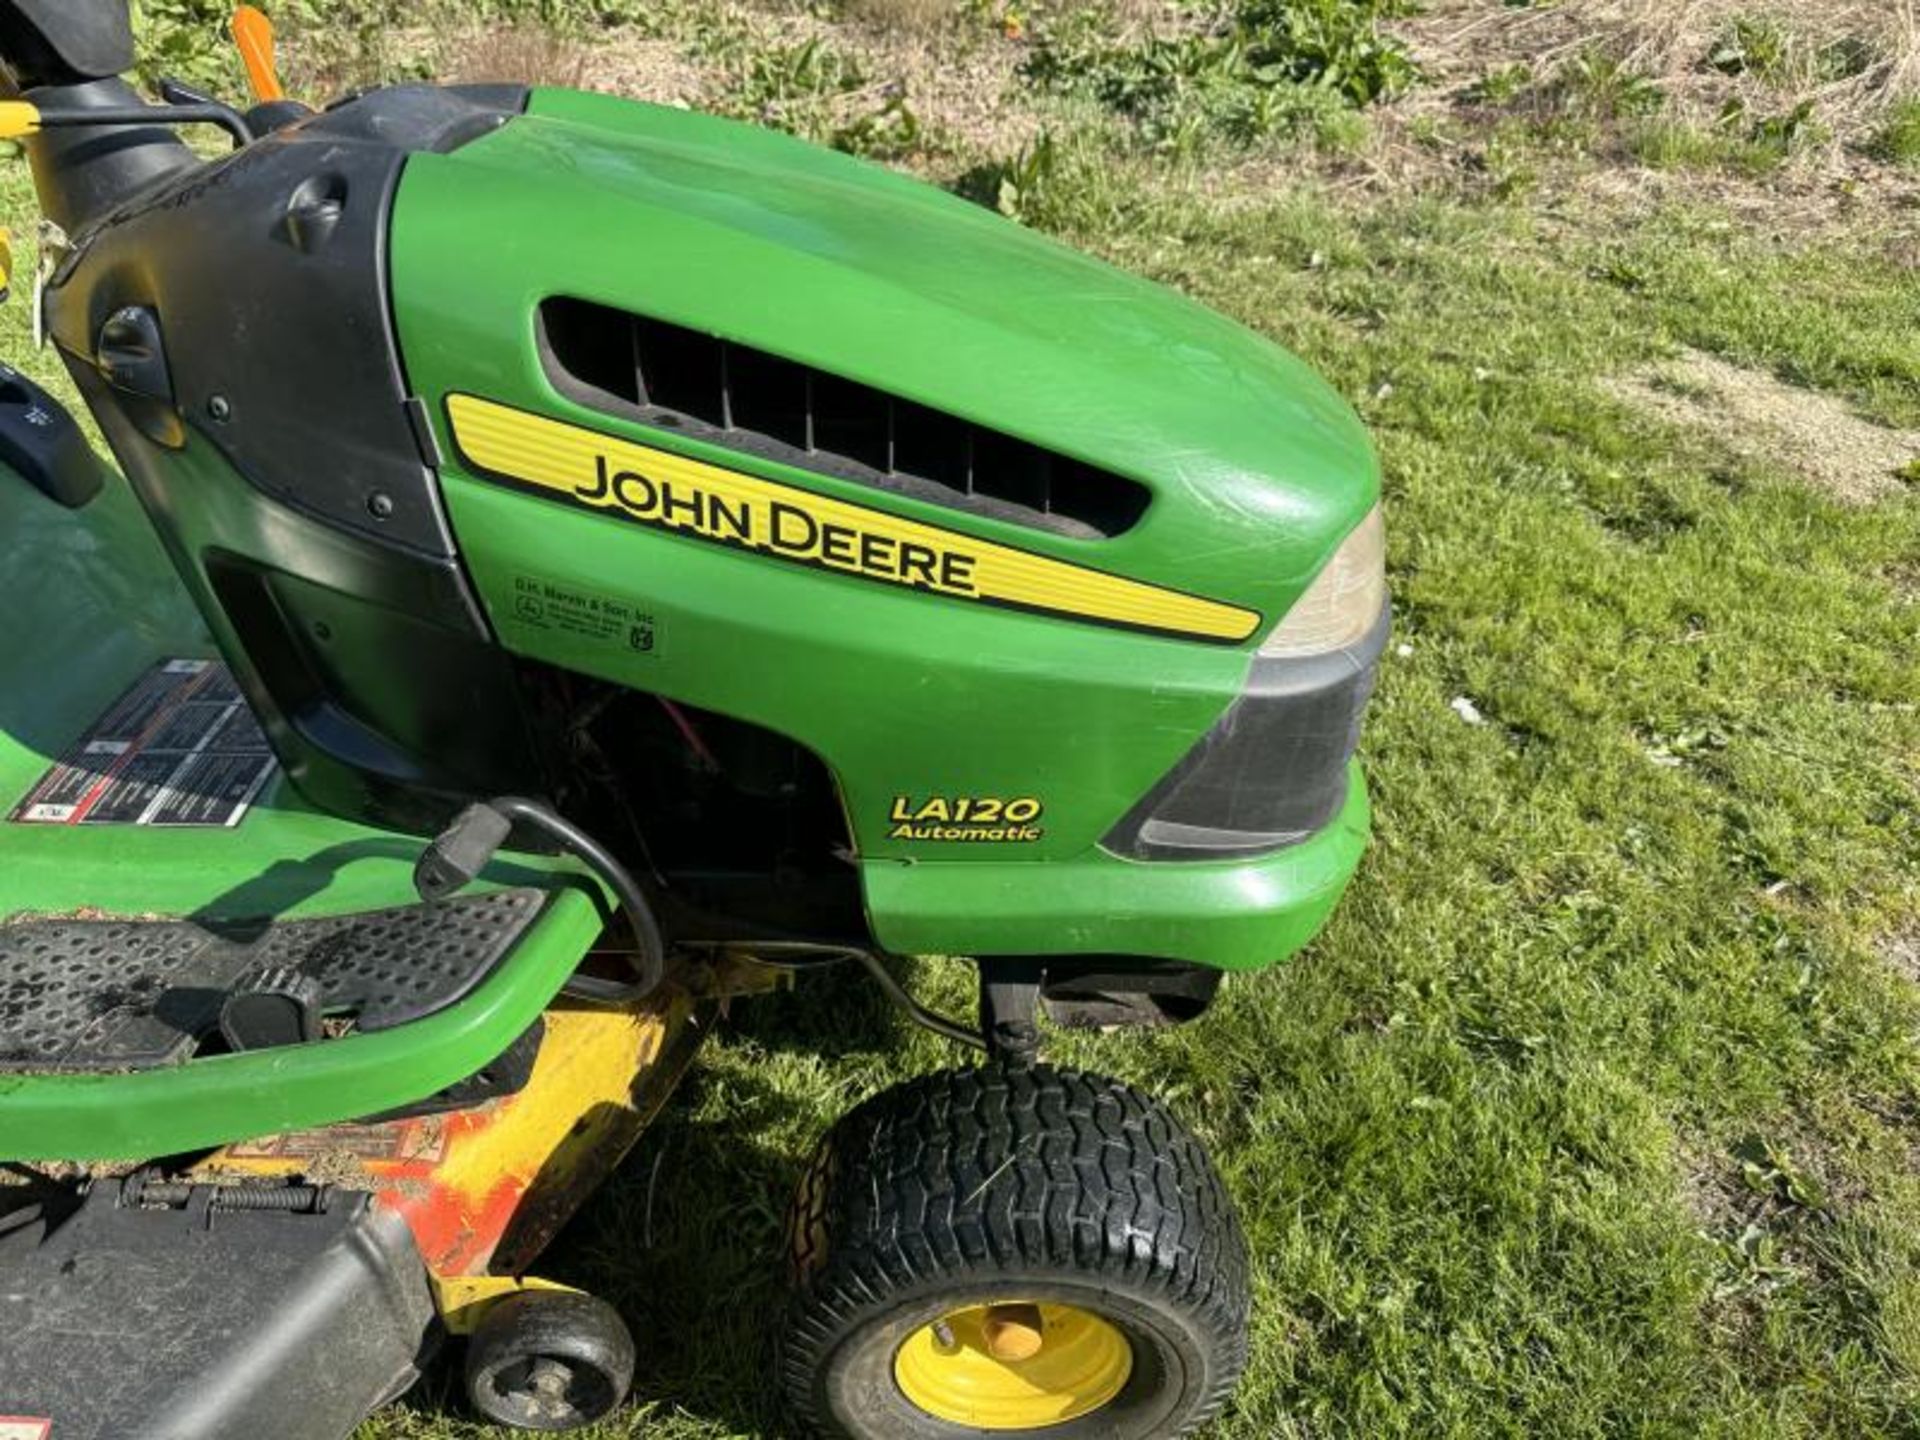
{"x": 274, "y": 1006}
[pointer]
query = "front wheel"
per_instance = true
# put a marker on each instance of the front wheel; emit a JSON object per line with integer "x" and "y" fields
{"x": 985, "y": 1252}
{"x": 549, "y": 1360}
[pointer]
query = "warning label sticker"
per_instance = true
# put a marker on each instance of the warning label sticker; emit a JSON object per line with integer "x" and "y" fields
{"x": 21, "y": 1427}
{"x": 179, "y": 748}
{"x": 420, "y": 1138}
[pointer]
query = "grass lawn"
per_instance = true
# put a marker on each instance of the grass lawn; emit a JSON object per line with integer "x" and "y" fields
{"x": 1596, "y": 1110}
{"x": 1593, "y": 1112}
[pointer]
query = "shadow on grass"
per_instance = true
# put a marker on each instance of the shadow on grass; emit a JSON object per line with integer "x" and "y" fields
{"x": 686, "y": 1241}
{"x": 831, "y": 1012}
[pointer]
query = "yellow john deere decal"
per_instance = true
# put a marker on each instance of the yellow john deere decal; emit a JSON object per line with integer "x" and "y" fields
{"x": 690, "y": 497}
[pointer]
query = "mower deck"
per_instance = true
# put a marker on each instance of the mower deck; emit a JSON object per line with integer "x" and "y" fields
{"x": 289, "y": 1284}
{"x": 484, "y": 1188}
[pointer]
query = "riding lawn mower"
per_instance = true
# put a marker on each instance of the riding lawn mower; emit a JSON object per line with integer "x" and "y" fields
{"x": 570, "y": 564}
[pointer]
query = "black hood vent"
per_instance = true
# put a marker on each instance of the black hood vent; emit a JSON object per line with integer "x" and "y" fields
{"x": 747, "y": 400}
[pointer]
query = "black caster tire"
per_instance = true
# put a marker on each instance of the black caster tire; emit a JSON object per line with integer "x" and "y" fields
{"x": 1012, "y": 1250}
{"x": 549, "y": 1360}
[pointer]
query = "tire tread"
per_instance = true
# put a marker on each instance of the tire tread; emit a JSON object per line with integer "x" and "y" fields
{"x": 963, "y": 1173}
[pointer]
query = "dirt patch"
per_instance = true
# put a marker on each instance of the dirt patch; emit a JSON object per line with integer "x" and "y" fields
{"x": 959, "y": 78}
{"x": 1778, "y": 1185}
{"x": 1901, "y": 951}
{"x": 1762, "y": 417}
{"x": 1710, "y": 1192}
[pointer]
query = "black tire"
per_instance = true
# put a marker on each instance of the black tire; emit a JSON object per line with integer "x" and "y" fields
{"x": 975, "y": 1187}
{"x": 549, "y": 1360}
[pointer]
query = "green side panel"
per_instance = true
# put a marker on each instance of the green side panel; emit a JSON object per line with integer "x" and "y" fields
{"x": 1256, "y": 467}
{"x": 93, "y": 603}
{"x": 900, "y": 693}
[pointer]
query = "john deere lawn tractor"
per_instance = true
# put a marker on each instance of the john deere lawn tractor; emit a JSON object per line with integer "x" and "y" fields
{"x": 568, "y": 563}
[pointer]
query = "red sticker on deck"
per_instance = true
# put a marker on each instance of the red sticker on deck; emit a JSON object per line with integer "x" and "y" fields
{"x": 179, "y": 748}
{"x": 21, "y": 1427}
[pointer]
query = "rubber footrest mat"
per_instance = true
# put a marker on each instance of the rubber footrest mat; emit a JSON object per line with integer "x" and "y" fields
{"x": 136, "y": 994}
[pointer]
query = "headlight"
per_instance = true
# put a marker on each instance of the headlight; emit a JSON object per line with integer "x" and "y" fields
{"x": 1344, "y": 600}
{"x": 1274, "y": 769}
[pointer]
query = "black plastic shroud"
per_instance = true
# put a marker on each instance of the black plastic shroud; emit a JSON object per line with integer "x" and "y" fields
{"x": 230, "y": 324}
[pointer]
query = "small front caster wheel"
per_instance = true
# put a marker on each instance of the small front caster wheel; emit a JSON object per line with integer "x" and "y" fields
{"x": 1007, "y": 1251}
{"x": 549, "y": 1360}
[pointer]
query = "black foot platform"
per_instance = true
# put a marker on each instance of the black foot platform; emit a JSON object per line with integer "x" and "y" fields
{"x": 112, "y": 995}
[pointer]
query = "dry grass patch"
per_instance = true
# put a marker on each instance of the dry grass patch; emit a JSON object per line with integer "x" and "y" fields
{"x": 1779, "y": 110}
{"x": 964, "y": 95}
{"x": 911, "y": 16}
{"x": 621, "y": 62}
{"x": 961, "y": 80}
{"x": 616, "y": 61}
{"x": 1853, "y": 58}
{"x": 519, "y": 55}
{"x": 1762, "y": 417}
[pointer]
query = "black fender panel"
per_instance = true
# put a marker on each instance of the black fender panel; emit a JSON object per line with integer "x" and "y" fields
{"x": 266, "y": 277}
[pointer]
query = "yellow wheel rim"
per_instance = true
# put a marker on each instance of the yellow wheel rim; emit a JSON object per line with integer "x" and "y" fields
{"x": 1013, "y": 1365}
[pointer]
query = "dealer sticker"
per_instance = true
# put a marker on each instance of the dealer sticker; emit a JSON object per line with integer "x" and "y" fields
{"x": 540, "y": 604}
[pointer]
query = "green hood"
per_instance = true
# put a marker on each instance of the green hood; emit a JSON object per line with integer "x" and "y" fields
{"x": 1258, "y": 467}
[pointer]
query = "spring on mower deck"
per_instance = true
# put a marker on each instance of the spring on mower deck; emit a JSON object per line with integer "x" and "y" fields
{"x": 143, "y": 1192}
